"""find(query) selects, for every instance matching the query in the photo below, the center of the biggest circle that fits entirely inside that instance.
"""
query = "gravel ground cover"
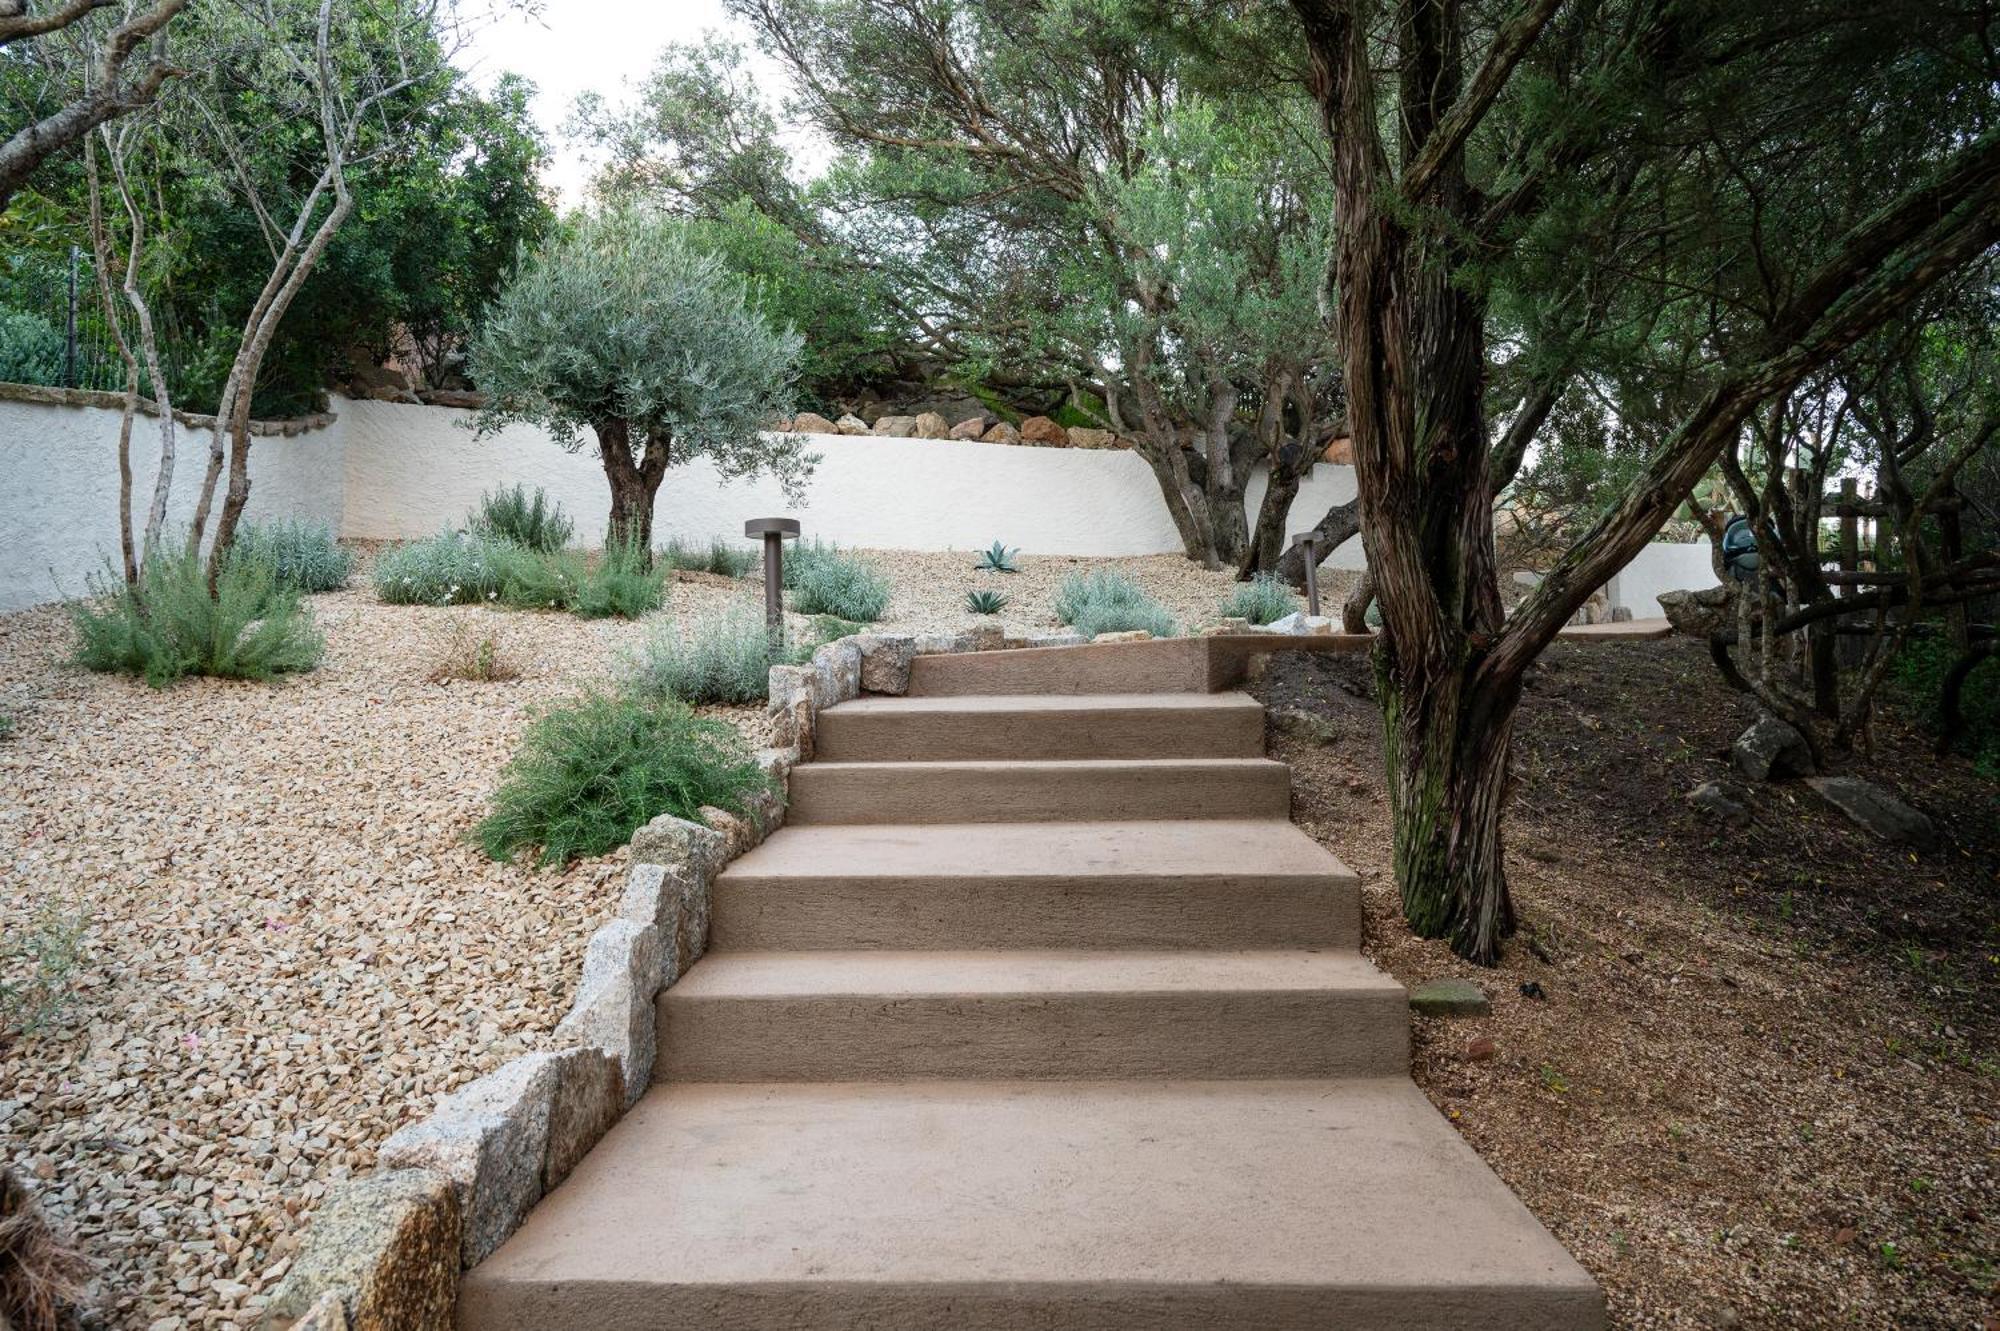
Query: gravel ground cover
(291, 948)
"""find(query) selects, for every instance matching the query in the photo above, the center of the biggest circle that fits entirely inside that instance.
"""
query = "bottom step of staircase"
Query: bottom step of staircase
(1084, 1206)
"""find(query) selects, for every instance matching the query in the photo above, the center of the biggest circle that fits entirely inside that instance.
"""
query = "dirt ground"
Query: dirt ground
(1763, 1088)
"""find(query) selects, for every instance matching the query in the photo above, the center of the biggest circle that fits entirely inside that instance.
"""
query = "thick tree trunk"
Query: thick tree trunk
(1340, 524)
(1267, 542)
(635, 483)
(1354, 610)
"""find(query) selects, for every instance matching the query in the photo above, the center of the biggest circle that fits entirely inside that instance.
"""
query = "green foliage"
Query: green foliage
(535, 521)
(997, 558)
(1104, 601)
(836, 584)
(592, 772)
(1261, 600)
(622, 319)
(31, 349)
(168, 625)
(38, 967)
(301, 555)
(450, 568)
(1918, 680)
(719, 556)
(7, 724)
(623, 581)
(984, 602)
(724, 657)
(801, 557)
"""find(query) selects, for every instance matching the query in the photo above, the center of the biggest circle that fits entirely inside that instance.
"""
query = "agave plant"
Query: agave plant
(983, 602)
(998, 558)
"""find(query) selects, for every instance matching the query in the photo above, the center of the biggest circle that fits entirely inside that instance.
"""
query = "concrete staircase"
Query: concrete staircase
(1038, 1014)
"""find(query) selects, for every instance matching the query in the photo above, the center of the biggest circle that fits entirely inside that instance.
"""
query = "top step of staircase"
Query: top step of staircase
(1165, 665)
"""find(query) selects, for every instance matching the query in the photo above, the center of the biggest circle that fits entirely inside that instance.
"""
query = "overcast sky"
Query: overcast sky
(581, 46)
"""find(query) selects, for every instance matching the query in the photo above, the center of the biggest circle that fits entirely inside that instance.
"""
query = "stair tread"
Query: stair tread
(973, 1186)
(1259, 847)
(1051, 972)
(979, 703)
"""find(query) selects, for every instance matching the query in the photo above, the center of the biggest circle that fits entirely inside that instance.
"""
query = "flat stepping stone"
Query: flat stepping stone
(1450, 998)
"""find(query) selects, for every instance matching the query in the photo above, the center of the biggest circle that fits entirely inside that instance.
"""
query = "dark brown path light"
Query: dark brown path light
(774, 531)
(1308, 543)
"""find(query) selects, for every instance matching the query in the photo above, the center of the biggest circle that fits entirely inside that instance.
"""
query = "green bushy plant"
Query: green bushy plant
(450, 568)
(1917, 679)
(525, 579)
(718, 556)
(997, 558)
(31, 349)
(1103, 601)
(836, 584)
(623, 581)
(1261, 600)
(169, 625)
(533, 521)
(803, 557)
(302, 555)
(722, 657)
(983, 602)
(595, 770)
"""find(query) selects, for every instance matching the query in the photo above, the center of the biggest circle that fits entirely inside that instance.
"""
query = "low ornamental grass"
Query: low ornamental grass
(301, 555)
(168, 625)
(1103, 601)
(718, 556)
(593, 771)
(825, 582)
(1262, 600)
(459, 568)
(721, 658)
(532, 521)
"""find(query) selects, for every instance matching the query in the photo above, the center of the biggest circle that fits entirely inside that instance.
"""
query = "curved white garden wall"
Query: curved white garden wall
(59, 498)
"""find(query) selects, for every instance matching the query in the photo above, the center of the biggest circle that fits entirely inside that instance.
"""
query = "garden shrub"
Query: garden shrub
(593, 771)
(837, 584)
(1260, 600)
(534, 522)
(301, 555)
(722, 657)
(718, 556)
(802, 557)
(31, 349)
(169, 625)
(450, 568)
(623, 581)
(525, 579)
(1103, 601)
(475, 652)
(1918, 681)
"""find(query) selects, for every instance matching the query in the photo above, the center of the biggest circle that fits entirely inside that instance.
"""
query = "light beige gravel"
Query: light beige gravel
(292, 947)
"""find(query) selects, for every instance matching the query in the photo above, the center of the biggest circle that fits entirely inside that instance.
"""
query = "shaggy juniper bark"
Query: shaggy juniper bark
(1411, 303)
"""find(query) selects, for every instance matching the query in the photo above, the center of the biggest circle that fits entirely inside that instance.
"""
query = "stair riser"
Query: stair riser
(1071, 1037)
(1059, 792)
(1177, 665)
(1109, 1306)
(805, 914)
(1233, 732)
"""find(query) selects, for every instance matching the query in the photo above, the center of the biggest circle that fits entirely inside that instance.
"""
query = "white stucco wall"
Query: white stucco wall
(59, 503)
(389, 471)
(1663, 566)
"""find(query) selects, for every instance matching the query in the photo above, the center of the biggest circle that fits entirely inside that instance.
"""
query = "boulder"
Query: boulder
(1300, 624)
(811, 422)
(895, 427)
(1712, 798)
(1703, 613)
(1043, 433)
(969, 428)
(851, 424)
(1340, 452)
(930, 425)
(885, 662)
(1771, 749)
(837, 666)
(1869, 806)
(385, 1249)
(613, 1010)
(489, 1138)
(1450, 998)
(675, 902)
(1001, 433)
(1082, 438)
(1527, 579)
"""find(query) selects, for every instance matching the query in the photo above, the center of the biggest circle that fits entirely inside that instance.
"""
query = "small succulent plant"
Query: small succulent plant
(983, 602)
(998, 558)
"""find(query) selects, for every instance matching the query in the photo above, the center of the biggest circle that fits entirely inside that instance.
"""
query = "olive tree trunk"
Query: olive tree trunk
(635, 477)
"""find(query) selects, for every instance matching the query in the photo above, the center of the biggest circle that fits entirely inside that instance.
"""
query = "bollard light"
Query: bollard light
(775, 532)
(1310, 543)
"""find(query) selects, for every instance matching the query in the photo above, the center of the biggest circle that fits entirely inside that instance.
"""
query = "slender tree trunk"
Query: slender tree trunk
(1354, 610)
(1341, 523)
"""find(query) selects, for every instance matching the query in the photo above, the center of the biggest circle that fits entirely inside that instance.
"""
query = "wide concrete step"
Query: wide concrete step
(1046, 1015)
(1044, 791)
(1111, 725)
(1032, 1207)
(1148, 884)
(1168, 665)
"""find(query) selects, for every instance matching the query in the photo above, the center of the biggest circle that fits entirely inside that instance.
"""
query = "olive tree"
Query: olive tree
(625, 328)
